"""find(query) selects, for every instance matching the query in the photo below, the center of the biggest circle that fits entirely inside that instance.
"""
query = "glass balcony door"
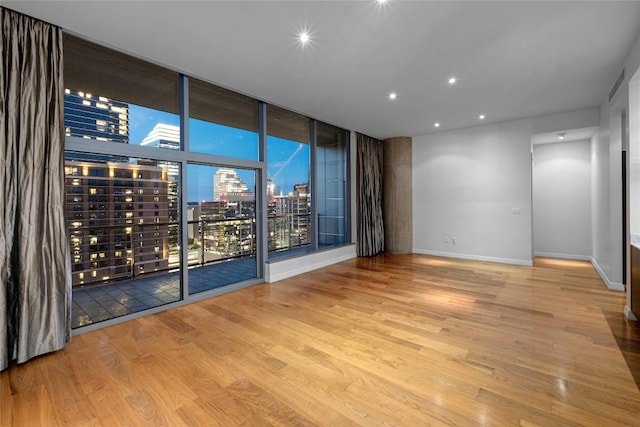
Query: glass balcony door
(221, 226)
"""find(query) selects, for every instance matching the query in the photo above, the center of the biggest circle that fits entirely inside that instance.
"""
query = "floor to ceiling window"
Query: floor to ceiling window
(221, 189)
(332, 195)
(221, 226)
(123, 209)
(176, 187)
(288, 183)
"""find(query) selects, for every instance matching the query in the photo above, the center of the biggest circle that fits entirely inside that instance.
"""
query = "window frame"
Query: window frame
(183, 156)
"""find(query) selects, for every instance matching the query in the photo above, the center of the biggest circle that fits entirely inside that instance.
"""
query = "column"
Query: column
(398, 207)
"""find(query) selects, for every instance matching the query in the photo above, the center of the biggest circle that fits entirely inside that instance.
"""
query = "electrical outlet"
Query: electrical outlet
(453, 241)
(516, 211)
(446, 239)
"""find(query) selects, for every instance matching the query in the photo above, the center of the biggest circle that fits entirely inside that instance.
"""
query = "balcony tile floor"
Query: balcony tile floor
(98, 303)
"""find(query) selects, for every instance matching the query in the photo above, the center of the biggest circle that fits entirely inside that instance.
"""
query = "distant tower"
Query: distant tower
(227, 185)
(164, 136)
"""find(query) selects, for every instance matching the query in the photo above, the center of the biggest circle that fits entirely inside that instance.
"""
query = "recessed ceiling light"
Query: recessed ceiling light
(481, 116)
(392, 95)
(436, 124)
(304, 37)
(561, 135)
(381, 1)
(452, 80)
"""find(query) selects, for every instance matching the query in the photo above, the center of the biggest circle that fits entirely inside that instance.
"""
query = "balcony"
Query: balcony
(220, 252)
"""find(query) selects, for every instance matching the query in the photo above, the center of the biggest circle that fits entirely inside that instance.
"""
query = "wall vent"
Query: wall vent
(617, 84)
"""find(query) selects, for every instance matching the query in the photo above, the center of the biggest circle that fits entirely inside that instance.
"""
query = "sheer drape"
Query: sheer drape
(35, 292)
(370, 239)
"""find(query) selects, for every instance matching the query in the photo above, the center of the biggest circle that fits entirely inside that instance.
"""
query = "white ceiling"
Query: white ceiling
(512, 59)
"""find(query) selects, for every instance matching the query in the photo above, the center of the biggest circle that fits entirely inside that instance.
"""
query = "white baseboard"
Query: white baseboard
(283, 269)
(629, 314)
(609, 284)
(563, 256)
(524, 262)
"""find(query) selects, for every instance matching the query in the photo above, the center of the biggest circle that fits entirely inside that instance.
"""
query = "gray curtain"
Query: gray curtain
(35, 299)
(370, 239)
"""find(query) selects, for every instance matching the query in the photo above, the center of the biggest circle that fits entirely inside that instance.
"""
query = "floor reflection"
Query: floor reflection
(627, 336)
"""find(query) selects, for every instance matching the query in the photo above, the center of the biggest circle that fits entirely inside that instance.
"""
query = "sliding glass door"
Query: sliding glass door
(221, 226)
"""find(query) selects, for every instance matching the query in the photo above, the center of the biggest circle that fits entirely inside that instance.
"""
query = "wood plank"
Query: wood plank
(391, 340)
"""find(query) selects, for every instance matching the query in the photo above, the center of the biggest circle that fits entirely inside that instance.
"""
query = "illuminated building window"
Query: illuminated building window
(101, 125)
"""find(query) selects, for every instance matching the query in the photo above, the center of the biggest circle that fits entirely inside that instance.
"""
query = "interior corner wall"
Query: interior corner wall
(633, 288)
(562, 200)
(472, 193)
(607, 180)
(600, 202)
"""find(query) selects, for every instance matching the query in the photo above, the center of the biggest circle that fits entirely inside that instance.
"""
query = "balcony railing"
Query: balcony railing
(109, 253)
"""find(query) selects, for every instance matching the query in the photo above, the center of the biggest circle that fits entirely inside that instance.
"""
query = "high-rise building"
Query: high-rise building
(227, 185)
(289, 219)
(228, 228)
(163, 136)
(92, 116)
(118, 213)
(118, 217)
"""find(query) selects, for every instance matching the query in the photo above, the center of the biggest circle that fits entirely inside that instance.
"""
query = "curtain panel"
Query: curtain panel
(35, 299)
(370, 239)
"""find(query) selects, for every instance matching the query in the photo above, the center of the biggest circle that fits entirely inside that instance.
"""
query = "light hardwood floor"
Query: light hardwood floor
(404, 340)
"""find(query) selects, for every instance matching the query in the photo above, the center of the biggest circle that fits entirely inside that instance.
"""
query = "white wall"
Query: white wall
(634, 179)
(466, 184)
(290, 267)
(600, 212)
(634, 158)
(607, 178)
(562, 200)
(564, 121)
